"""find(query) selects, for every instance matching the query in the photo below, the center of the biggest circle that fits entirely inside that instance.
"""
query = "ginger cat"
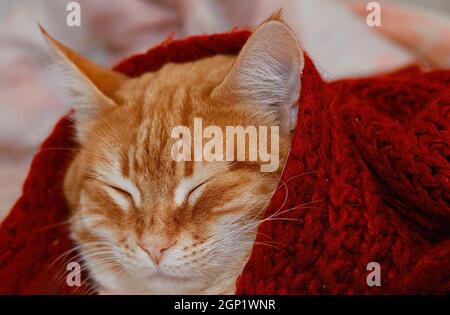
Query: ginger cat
(144, 223)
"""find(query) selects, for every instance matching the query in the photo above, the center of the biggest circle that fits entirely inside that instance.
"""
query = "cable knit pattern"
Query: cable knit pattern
(367, 180)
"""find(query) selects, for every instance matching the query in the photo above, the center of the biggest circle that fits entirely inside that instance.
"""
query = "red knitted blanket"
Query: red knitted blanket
(367, 180)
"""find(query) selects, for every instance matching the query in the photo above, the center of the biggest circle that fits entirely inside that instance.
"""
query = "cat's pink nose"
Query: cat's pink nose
(156, 247)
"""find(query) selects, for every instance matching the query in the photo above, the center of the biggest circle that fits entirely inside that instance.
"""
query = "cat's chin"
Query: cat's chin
(158, 275)
(159, 282)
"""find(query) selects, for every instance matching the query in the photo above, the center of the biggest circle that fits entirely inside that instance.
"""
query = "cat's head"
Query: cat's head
(149, 223)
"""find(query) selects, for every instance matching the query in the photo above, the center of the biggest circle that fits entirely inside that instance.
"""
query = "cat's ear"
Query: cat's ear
(267, 71)
(91, 88)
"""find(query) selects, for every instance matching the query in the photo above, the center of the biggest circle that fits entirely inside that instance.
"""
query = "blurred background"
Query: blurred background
(334, 32)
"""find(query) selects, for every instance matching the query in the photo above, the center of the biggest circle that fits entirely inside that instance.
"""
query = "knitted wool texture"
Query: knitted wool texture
(367, 180)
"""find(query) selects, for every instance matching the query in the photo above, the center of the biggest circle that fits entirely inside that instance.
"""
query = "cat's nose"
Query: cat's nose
(156, 247)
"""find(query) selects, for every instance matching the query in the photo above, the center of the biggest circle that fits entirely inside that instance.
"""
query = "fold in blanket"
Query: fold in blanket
(367, 180)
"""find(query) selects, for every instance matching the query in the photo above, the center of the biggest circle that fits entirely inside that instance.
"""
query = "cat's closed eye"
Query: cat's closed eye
(120, 196)
(122, 192)
(195, 192)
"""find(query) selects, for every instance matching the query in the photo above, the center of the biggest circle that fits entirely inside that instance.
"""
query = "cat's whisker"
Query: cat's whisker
(268, 245)
(102, 263)
(83, 283)
(265, 235)
(75, 248)
(293, 208)
(284, 202)
(234, 232)
(272, 217)
(58, 224)
(270, 195)
(300, 206)
(85, 257)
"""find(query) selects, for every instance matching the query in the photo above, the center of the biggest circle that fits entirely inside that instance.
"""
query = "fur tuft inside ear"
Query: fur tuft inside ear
(83, 97)
(90, 89)
(267, 70)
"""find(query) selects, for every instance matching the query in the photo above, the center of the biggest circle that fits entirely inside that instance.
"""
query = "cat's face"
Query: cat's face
(146, 223)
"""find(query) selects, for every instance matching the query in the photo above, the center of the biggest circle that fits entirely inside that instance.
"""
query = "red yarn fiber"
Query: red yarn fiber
(367, 180)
